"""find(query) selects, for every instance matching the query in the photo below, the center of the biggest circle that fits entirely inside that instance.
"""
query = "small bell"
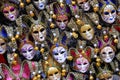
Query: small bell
(38, 76)
(36, 48)
(105, 37)
(73, 2)
(52, 25)
(63, 74)
(15, 55)
(13, 39)
(46, 62)
(79, 22)
(99, 27)
(21, 4)
(14, 62)
(96, 50)
(98, 59)
(32, 14)
(55, 39)
(28, 1)
(17, 36)
(91, 77)
(95, 9)
(54, 16)
(75, 35)
(63, 71)
(35, 78)
(70, 58)
(98, 64)
(115, 40)
(42, 50)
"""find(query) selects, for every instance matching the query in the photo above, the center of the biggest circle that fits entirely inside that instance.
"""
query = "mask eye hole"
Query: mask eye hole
(79, 64)
(35, 0)
(103, 53)
(30, 50)
(89, 29)
(85, 63)
(55, 53)
(5, 11)
(110, 52)
(113, 11)
(59, 21)
(62, 52)
(106, 13)
(42, 30)
(50, 74)
(2, 44)
(84, 32)
(12, 9)
(35, 32)
(65, 20)
(24, 51)
(56, 72)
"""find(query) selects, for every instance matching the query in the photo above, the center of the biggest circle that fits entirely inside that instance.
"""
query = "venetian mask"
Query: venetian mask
(60, 54)
(109, 14)
(107, 54)
(10, 12)
(84, 4)
(54, 74)
(2, 46)
(40, 4)
(27, 50)
(82, 64)
(87, 32)
(39, 33)
(62, 21)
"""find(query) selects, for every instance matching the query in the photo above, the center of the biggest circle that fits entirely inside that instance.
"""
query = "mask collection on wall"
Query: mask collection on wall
(60, 40)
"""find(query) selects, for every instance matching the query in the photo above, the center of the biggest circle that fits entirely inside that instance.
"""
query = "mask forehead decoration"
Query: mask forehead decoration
(38, 32)
(27, 49)
(108, 11)
(81, 59)
(40, 4)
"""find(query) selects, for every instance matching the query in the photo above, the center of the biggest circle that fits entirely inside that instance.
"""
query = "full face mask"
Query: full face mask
(84, 4)
(39, 33)
(10, 12)
(107, 54)
(54, 74)
(82, 64)
(62, 21)
(60, 54)
(27, 50)
(109, 14)
(40, 4)
(2, 46)
(87, 32)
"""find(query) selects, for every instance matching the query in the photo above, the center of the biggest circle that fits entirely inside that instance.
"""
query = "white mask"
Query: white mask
(40, 4)
(59, 54)
(109, 14)
(107, 54)
(27, 51)
(82, 64)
